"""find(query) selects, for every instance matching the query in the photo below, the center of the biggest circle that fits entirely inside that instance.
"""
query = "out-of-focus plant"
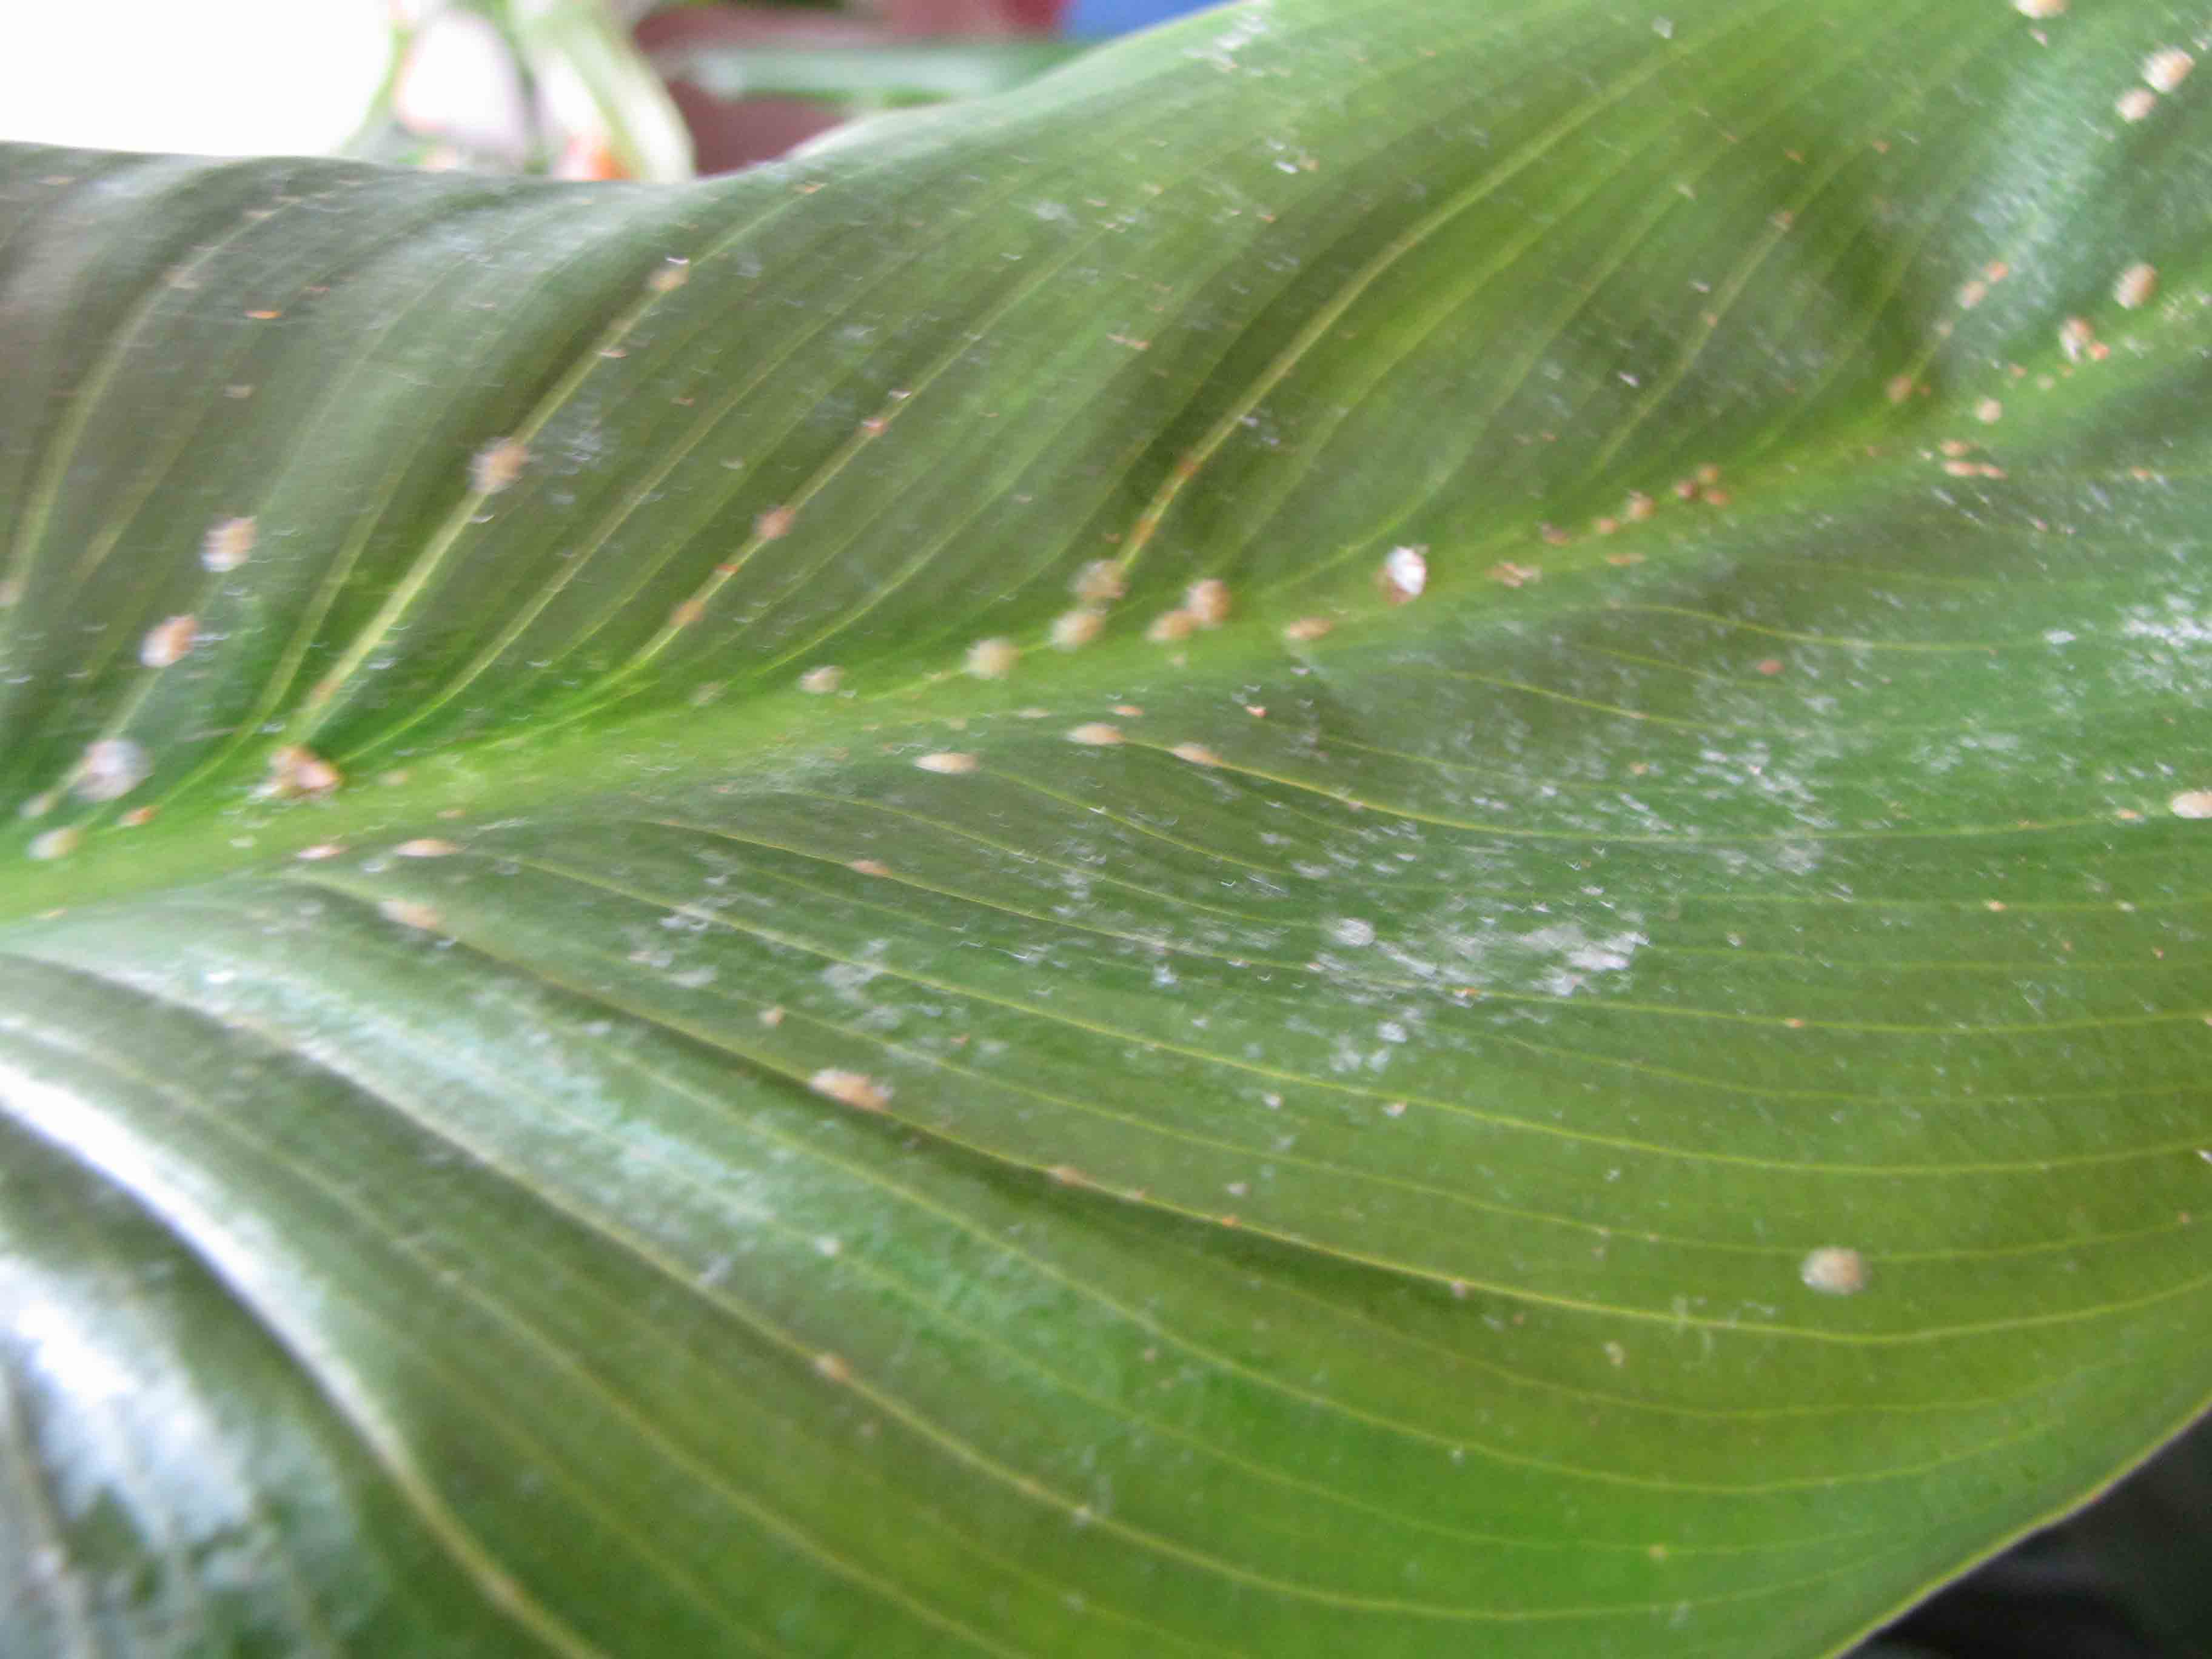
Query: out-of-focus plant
(535, 86)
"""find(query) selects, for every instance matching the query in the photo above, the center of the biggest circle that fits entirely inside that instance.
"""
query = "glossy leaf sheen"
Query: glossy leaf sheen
(1334, 1172)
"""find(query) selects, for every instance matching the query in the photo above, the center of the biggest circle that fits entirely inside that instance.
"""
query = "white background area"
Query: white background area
(218, 77)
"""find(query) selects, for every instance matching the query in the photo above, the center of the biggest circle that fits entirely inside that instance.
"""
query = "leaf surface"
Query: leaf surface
(1601, 1051)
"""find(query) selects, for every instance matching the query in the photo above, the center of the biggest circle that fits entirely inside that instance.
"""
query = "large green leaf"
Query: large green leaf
(1644, 1100)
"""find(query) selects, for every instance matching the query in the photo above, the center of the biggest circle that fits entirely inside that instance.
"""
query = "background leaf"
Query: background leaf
(1646, 1099)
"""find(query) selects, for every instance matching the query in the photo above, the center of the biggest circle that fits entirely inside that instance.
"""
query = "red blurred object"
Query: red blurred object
(731, 135)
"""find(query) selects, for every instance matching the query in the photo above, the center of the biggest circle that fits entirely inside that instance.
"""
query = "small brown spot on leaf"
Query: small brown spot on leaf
(1100, 582)
(1208, 602)
(296, 770)
(1170, 626)
(497, 466)
(110, 769)
(2166, 69)
(410, 912)
(227, 544)
(855, 1088)
(1073, 629)
(993, 659)
(167, 642)
(1834, 1272)
(1404, 574)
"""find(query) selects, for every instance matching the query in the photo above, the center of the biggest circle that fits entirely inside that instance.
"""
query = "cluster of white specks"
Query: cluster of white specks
(1405, 573)
(2191, 804)
(993, 659)
(830, 1367)
(1352, 931)
(321, 850)
(497, 466)
(855, 1088)
(57, 843)
(1834, 1272)
(822, 681)
(2136, 104)
(1196, 753)
(110, 769)
(1308, 627)
(2039, 8)
(1073, 629)
(426, 847)
(869, 867)
(227, 544)
(166, 642)
(672, 276)
(411, 912)
(951, 763)
(1098, 733)
(2134, 286)
(296, 770)
(1988, 412)
(774, 523)
(2078, 339)
(2166, 70)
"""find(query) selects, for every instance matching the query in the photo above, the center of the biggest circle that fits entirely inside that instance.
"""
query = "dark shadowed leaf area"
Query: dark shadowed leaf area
(1384, 831)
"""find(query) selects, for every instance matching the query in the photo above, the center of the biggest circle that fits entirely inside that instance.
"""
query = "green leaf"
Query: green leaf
(642, 1165)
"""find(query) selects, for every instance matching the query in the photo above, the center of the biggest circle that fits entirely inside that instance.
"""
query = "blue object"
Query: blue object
(1093, 18)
